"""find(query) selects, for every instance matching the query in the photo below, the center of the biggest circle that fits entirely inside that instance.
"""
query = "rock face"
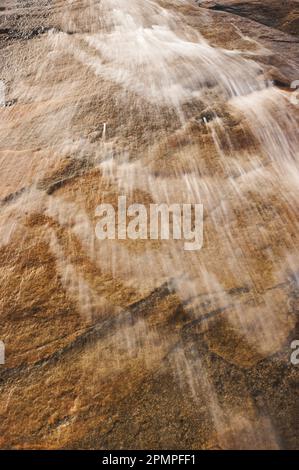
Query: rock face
(276, 14)
(137, 343)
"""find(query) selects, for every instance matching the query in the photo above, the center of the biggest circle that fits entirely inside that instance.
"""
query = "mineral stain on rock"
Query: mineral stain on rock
(119, 344)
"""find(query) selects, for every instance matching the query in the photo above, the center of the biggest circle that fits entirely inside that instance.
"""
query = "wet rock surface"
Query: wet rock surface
(276, 14)
(139, 344)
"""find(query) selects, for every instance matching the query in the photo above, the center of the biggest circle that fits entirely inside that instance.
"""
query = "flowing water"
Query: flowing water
(128, 97)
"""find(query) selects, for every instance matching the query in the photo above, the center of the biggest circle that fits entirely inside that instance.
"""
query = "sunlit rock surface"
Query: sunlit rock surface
(140, 344)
